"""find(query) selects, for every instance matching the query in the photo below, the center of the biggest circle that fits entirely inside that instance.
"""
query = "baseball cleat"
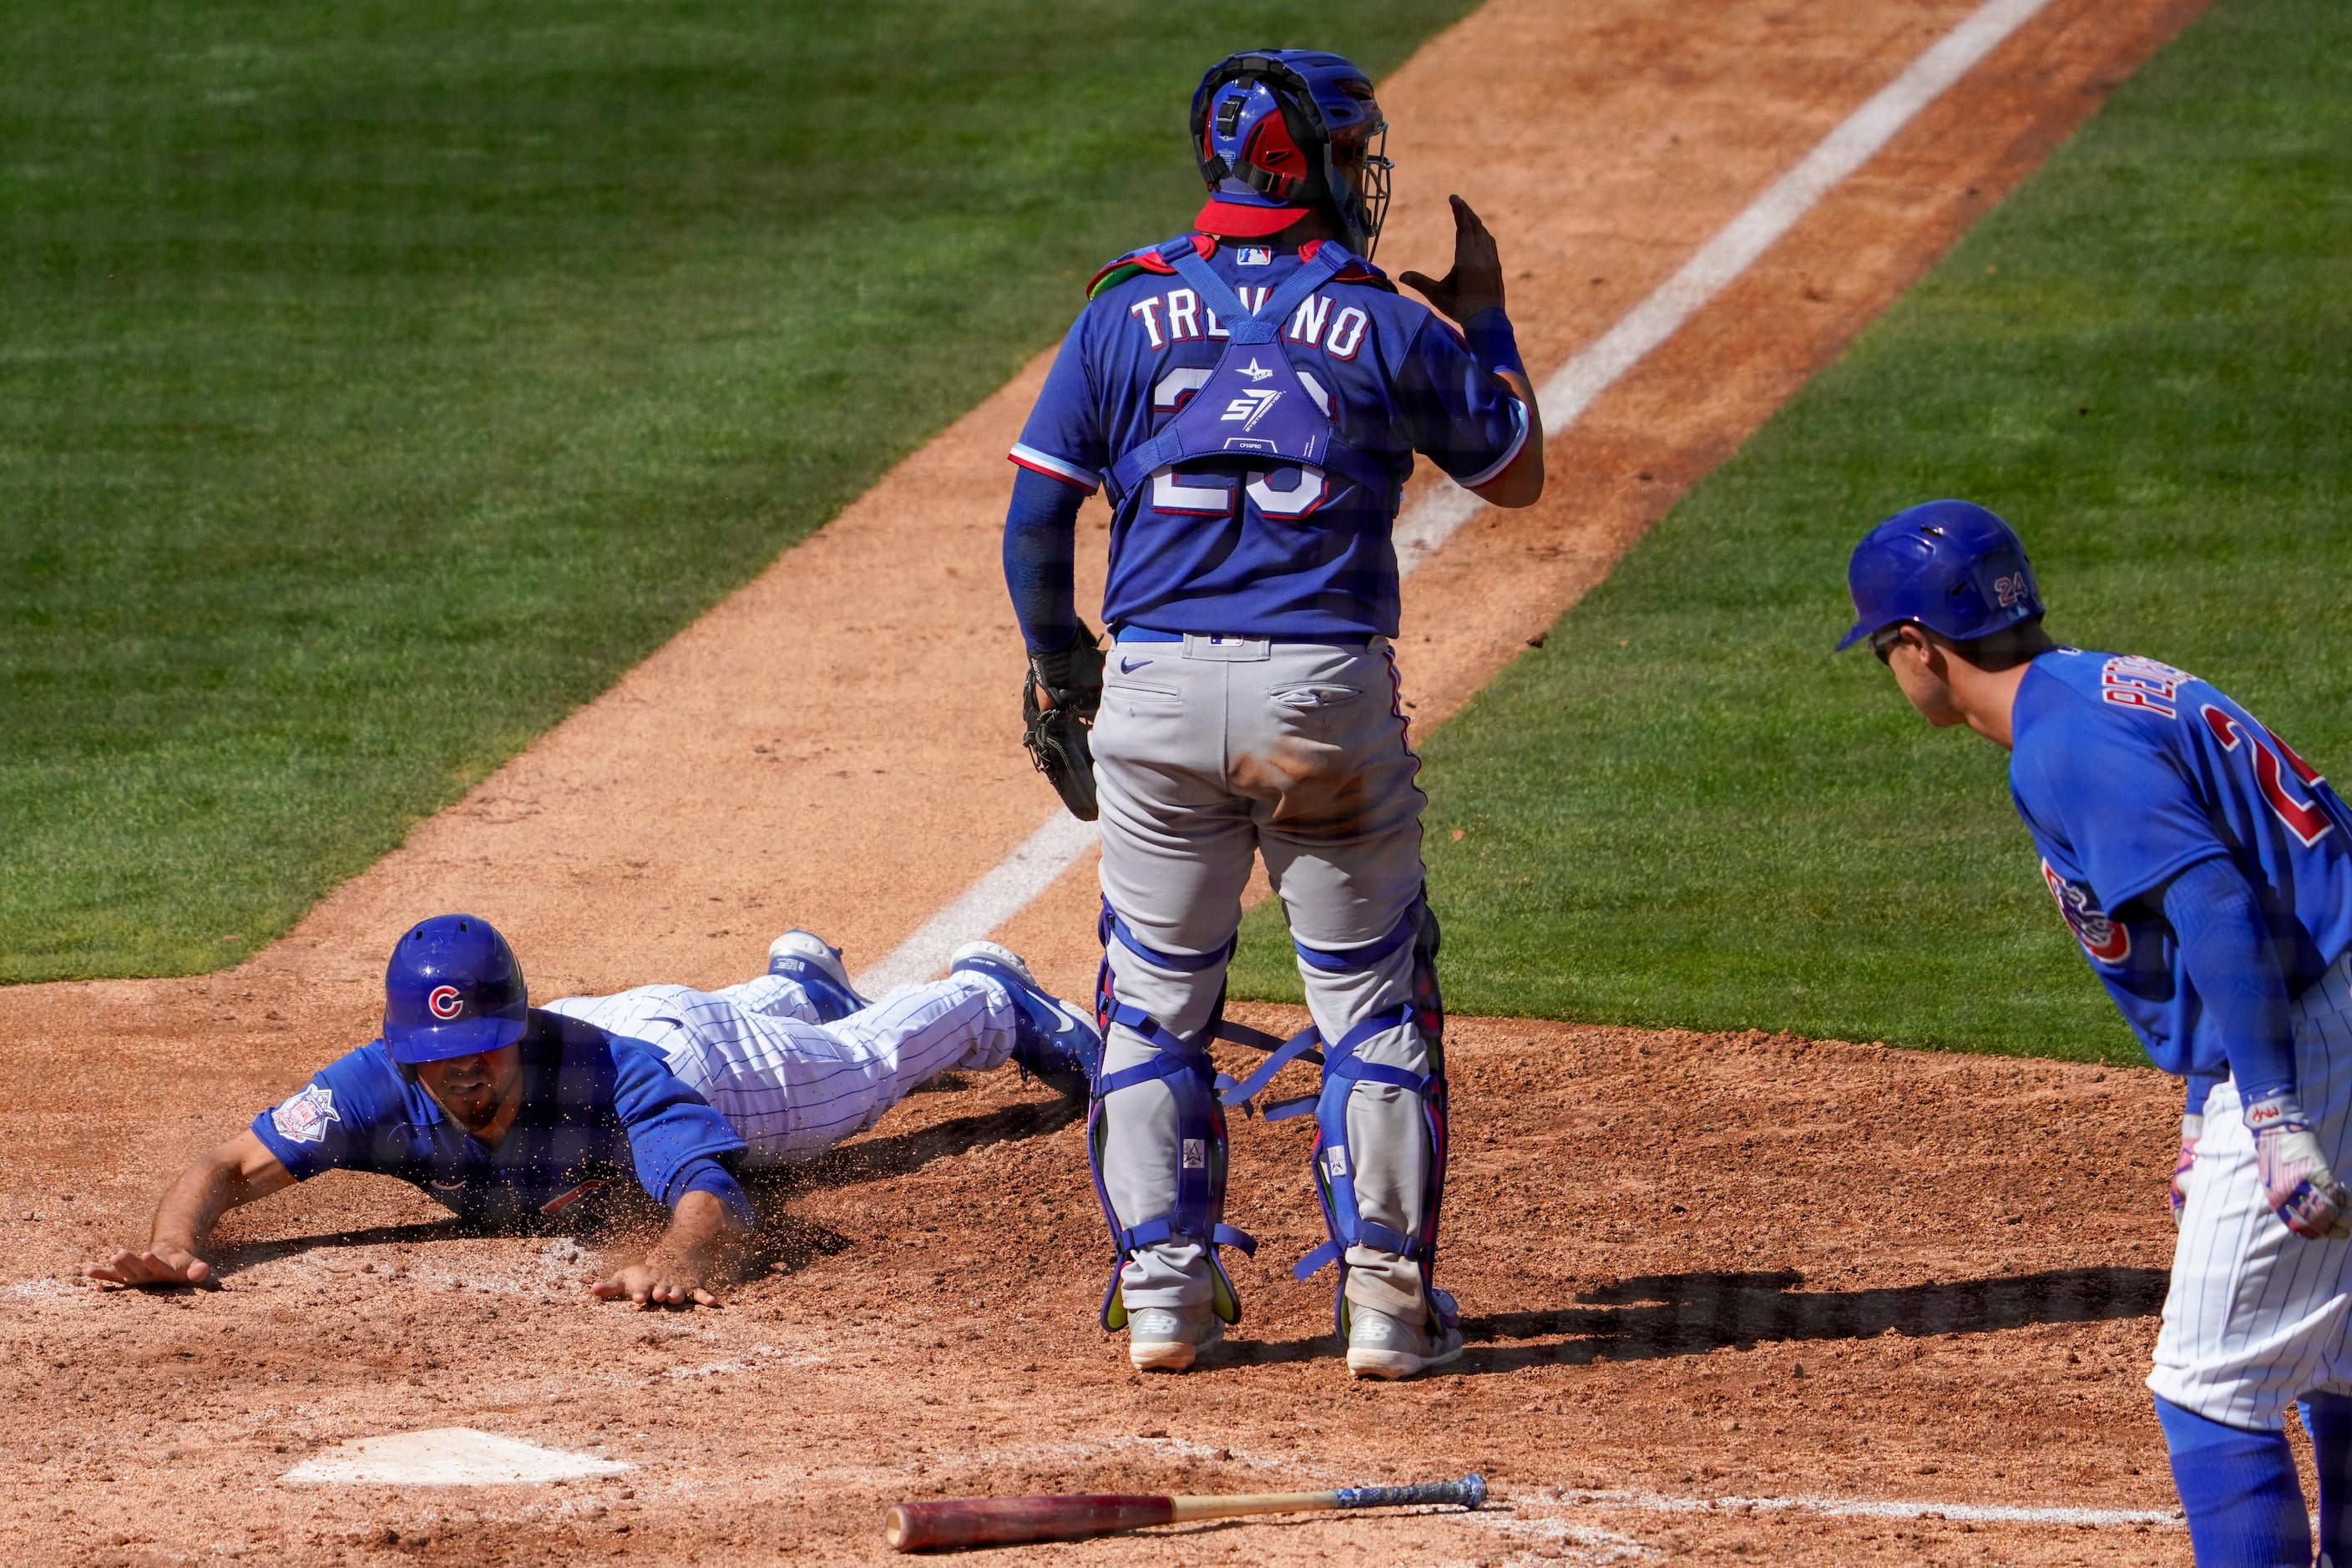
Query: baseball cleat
(1170, 1339)
(1382, 1346)
(806, 957)
(1052, 1039)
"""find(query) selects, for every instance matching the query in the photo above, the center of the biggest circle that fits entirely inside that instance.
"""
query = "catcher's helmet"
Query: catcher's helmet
(1280, 130)
(1951, 566)
(453, 988)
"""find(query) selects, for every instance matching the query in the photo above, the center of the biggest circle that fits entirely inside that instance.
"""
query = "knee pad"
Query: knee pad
(1184, 1066)
(1343, 1069)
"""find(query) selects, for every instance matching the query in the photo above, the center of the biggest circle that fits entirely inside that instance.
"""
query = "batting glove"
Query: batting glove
(2296, 1183)
(2192, 1128)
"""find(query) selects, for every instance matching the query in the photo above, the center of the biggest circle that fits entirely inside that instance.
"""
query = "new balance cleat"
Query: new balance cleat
(1382, 1346)
(806, 958)
(1052, 1039)
(1170, 1339)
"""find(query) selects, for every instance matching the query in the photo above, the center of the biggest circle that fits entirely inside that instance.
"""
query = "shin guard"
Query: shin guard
(1184, 1066)
(1343, 1069)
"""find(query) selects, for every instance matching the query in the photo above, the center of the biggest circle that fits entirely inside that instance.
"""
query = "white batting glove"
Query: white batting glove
(2296, 1183)
(2192, 1128)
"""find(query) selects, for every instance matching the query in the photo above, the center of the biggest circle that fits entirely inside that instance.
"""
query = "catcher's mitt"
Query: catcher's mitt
(1057, 735)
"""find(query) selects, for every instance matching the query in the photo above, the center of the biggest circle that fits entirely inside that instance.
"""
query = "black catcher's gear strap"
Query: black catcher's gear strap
(1072, 681)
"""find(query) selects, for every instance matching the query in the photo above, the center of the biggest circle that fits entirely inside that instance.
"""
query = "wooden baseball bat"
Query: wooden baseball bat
(957, 1522)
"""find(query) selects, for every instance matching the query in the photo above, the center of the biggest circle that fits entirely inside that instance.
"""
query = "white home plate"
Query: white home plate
(448, 1457)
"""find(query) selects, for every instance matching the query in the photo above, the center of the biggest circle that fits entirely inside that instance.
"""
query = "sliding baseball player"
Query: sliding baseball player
(516, 1116)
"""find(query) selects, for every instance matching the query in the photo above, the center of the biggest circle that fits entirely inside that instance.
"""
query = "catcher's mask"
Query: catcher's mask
(1279, 132)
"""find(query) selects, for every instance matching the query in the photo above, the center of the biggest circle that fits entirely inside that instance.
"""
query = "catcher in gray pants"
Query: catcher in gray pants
(1253, 394)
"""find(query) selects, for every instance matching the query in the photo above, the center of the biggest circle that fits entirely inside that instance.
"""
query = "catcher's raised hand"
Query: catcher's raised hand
(1475, 283)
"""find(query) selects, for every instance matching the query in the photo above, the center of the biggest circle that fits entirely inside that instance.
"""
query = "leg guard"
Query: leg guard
(1184, 1066)
(1343, 1069)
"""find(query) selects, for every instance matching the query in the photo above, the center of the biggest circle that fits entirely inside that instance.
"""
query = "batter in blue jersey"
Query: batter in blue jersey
(2205, 871)
(1251, 395)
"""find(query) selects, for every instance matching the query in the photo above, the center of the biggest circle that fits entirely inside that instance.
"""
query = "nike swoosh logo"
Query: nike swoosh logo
(1129, 666)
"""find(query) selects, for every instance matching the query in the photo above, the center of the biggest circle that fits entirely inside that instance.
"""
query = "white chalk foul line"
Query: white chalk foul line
(1876, 1508)
(1004, 891)
(988, 904)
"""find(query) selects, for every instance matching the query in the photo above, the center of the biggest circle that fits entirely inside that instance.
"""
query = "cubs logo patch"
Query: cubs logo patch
(564, 1200)
(1253, 256)
(304, 1118)
(444, 1001)
(2105, 938)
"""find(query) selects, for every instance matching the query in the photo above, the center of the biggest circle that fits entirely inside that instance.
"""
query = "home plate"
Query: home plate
(448, 1457)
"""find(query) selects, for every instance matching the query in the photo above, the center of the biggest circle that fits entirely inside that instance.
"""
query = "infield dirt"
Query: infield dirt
(1649, 1232)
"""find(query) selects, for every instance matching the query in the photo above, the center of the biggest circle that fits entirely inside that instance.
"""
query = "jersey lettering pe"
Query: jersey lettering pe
(1281, 550)
(2128, 772)
(596, 1109)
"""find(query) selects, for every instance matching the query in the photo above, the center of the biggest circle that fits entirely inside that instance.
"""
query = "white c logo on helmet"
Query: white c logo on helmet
(444, 1001)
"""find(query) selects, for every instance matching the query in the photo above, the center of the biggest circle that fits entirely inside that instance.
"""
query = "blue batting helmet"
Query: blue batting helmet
(453, 988)
(1951, 566)
(1280, 131)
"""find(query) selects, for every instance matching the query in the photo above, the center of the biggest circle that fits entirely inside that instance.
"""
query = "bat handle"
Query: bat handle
(1470, 1491)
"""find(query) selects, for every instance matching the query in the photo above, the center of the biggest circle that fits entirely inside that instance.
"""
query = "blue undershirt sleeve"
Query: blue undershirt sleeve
(704, 1174)
(1041, 542)
(2227, 949)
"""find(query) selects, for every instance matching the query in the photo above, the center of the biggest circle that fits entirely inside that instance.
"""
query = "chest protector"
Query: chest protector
(1254, 414)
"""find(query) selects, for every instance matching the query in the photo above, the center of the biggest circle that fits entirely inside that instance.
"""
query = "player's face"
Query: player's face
(472, 1089)
(1918, 670)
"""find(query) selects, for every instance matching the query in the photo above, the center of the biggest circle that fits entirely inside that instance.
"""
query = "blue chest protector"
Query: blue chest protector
(1255, 412)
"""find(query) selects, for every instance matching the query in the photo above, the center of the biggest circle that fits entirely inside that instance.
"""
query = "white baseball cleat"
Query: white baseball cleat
(807, 958)
(1170, 1339)
(1382, 1346)
(1053, 1040)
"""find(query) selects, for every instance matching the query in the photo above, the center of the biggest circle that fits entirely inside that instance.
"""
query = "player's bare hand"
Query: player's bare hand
(156, 1266)
(1475, 283)
(655, 1282)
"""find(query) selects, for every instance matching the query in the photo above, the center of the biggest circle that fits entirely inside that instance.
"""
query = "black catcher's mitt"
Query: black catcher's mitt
(1056, 736)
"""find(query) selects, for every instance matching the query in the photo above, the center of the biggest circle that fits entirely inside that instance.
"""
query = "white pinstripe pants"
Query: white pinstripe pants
(2257, 1316)
(792, 1087)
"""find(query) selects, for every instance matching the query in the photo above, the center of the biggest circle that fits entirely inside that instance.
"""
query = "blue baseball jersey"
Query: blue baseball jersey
(596, 1108)
(2128, 772)
(1287, 551)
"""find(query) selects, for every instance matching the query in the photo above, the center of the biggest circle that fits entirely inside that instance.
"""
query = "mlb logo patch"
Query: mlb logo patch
(304, 1118)
(1196, 1154)
(1253, 256)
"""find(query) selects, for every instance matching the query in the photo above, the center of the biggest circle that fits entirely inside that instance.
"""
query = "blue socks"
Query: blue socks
(2328, 1418)
(2240, 1490)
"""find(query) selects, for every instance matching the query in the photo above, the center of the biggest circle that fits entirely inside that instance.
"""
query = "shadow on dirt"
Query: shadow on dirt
(879, 1159)
(1691, 1314)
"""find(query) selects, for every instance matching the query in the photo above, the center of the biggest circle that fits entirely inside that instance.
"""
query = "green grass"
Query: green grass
(378, 381)
(1683, 810)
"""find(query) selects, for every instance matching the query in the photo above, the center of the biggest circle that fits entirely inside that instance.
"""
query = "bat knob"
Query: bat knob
(1474, 1491)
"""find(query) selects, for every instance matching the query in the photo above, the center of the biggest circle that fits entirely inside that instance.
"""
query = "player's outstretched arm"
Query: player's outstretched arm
(1472, 289)
(236, 1173)
(702, 1247)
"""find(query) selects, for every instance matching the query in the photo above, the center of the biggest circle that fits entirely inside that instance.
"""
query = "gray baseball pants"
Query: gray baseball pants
(1208, 752)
